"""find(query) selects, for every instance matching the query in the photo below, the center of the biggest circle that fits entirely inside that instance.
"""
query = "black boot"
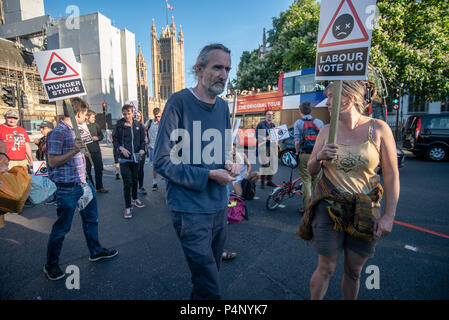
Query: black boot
(270, 182)
(262, 185)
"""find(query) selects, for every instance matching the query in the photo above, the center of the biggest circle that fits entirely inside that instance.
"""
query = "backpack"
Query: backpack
(309, 135)
(248, 189)
(236, 210)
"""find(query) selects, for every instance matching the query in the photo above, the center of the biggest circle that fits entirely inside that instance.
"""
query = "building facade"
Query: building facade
(142, 84)
(22, 31)
(107, 54)
(107, 57)
(17, 69)
(167, 56)
(410, 104)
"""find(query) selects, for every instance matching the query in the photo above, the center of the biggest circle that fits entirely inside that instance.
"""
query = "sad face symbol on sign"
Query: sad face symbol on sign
(343, 26)
(58, 68)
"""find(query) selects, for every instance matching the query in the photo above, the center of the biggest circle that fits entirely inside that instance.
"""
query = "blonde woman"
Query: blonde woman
(350, 187)
(245, 172)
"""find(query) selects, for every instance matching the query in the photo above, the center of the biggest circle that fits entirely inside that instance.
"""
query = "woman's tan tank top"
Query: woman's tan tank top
(354, 170)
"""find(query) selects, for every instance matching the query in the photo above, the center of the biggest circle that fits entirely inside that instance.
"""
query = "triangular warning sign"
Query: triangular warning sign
(134, 107)
(347, 28)
(281, 132)
(57, 68)
(42, 170)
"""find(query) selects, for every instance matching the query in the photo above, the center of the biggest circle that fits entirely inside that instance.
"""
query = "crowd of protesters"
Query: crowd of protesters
(197, 195)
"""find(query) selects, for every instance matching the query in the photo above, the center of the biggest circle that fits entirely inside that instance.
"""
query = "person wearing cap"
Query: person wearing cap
(46, 127)
(16, 140)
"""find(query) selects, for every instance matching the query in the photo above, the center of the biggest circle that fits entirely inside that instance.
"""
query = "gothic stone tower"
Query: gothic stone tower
(167, 55)
(142, 83)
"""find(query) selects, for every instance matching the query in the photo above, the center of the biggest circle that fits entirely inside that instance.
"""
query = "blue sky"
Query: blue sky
(236, 24)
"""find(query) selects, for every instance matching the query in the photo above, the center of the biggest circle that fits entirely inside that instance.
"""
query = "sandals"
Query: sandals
(228, 255)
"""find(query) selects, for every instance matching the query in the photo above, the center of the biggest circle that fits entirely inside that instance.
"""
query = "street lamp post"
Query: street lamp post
(105, 108)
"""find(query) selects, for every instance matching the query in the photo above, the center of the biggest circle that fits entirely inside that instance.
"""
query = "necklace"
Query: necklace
(356, 125)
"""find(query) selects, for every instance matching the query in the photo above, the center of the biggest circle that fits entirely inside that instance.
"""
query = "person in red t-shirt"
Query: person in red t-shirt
(16, 140)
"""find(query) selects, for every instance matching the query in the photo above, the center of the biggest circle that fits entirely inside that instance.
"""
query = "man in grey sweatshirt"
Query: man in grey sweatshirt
(192, 153)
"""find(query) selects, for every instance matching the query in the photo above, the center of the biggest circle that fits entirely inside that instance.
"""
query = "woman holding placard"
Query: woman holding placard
(344, 213)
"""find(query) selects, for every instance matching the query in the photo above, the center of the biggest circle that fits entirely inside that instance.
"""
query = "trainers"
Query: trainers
(137, 203)
(128, 213)
(142, 191)
(52, 202)
(271, 184)
(117, 176)
(154, 187)
(104, 254)
(28, 204)
(53, 272)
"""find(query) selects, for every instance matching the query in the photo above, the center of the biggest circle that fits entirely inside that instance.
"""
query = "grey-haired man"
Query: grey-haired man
(196, 188)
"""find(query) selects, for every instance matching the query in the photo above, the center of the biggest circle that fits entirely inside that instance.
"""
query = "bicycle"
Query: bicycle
(287, 190)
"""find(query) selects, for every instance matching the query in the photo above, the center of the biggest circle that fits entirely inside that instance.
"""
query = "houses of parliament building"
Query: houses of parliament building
(168, 72)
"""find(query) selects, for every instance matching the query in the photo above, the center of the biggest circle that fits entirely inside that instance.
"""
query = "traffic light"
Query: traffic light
(9, 96)
(396, 96)
(105, 106)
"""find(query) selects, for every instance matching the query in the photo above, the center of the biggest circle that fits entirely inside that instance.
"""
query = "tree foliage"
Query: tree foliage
(410, 44)
(292, 46)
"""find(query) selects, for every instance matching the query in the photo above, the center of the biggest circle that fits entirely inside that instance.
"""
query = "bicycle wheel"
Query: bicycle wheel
(275, 198)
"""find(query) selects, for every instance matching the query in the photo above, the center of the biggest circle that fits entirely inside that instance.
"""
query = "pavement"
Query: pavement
(272, 263)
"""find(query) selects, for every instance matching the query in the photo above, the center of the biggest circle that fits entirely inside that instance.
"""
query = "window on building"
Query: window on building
(445, 106)
(417, 105)
(160, 66)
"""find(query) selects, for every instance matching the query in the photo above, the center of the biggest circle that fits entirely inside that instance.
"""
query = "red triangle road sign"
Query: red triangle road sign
(349, 41)
(60, 69)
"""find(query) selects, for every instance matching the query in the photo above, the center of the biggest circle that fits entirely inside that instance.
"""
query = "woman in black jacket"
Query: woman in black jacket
(129, 142)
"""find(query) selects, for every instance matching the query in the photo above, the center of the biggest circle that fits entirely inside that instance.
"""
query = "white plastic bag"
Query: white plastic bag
(41, 189)
(86, 198)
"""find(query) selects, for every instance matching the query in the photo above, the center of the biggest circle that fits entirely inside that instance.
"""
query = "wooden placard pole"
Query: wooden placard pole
(234, 108)
(69, 109)
(335, 113)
